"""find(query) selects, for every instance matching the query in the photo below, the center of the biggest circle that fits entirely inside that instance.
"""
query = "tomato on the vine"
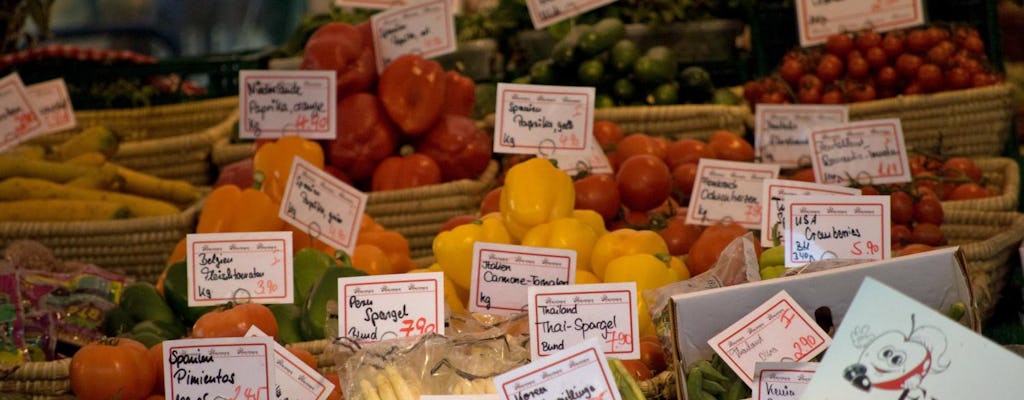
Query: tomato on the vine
(876, 57)
(901, 207)
(958, 167)
(636, 144)
(829, 68)
(928, 210)
(968, 191)
(839, 44)
(930, 77)
(868, 39)
(791, 71)
(918, 41)
(892, 43)
(644, 182)
(907, 65)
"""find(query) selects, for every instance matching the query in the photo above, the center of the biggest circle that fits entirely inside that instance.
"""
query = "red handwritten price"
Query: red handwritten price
(266, 286)
(25, 121)
(432, 42)
(417, 327)
(618, 338)
(250, 393)
(803, 345)
(313, 121)
(887, 168)
(753, 211)
(869, 248)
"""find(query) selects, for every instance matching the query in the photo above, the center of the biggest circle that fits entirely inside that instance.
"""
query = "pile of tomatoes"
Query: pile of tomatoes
(869, 65)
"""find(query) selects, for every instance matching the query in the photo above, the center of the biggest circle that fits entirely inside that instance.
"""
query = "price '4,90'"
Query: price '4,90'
(417, 327)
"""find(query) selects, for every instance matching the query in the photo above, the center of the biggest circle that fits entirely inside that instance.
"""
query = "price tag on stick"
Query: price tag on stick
(543, 120)
(867, 151)
(845, 227)
(294, 378)
(782, 380)
(578, 372)
(19, 120)
(728, 191)
(380, 307)
(426, 28)
(246, 266)
(279, 103)
(503, 273)
(227, 368)
(569, 315)
(323, 206)
(780, 131)
(53, 103)
(549, 12)
(816, 20)
(773, 221)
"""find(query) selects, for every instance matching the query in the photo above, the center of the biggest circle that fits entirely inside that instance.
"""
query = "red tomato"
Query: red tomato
(460, 148)
(413, 91)
(638, 370)
(398, 172)
(839, 44)
(969, 191)
(809, 95)
(829, 68)
(907, 64)
(958, 78)
(892, 43)
(709, 245)
(730, 146)
(644, 182)
(958, 167)
(366, 137)
(638, 143)
(929, 234)
(803, 175)
(915, 248)
(941, 53)
(867, 39)
(901, 235)
(876, 57)
(683, 178)
(928, 210)
(120, 368)
(858, 68)
(887, 76)
(687, 150)
(607, 133)
(680, 236)
(901, 206)
(752, 91)
(652, 354)
(491, 202)
(833, 96)
(861, 92)
(930, 77)
(346, 49)
(457, 220)
(792, 70)
(235, 321)
(918, 41)
(598, 192)
(460, 94)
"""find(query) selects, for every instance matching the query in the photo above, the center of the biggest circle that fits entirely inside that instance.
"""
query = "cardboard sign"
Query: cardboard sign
(19, 121)
(728, 190)
(294, 378)
(824, 227)
(868, 151)
(891, 346)
(593, 159)
(503, 273)
(543, 120)
(53, 103)
(816, 20)
(323, 206)
(276, 103)
(381, 307)
(578, 372)
(782, 380)
(780, 131)
(426, 28)
(778, 330)
(229, 368)
(549, 12)
(245, 266)
(565, 316)
(773, 219)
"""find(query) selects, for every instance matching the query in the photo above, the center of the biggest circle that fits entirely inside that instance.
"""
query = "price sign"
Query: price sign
(816, 20)
(253, 266)
(867, 151)
(543, 120)
(426, 28)
(778, 330)
(825, 227)
(782, 380)
(727, 190)
(780, 131)
(593, 160)
(294, 378)
(549, 12)
(381, 307)
(19, 121)
(460, 397)
(323, 206)
(773, 221)
(578, 372)
(278, 103)
(229, 368)
(53, 103)
(503, 273)
(566, 316)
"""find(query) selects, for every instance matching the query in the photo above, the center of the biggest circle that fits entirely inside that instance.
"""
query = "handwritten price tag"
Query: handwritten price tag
(728, 190)
(229, 368)
(825, 227)
(276, 103)
(19, 120)
(323, 206)
(53, 103)
(461, 397)
(816, 20)
(773, 221)
(593, 159)
(782, 380)
(295, 379)
(503, 273)
(578, 372)
(868, 151)
(380, 307)
(543, 120)
(426, 28)
(566, 316)
(778, 330)
(549, 12)
(253, 266)
(780, 131)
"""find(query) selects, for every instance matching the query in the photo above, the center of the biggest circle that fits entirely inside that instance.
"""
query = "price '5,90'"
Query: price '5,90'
(417, 327)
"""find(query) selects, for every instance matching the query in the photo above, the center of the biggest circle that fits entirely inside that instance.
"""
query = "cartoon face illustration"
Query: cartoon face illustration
(896, 361)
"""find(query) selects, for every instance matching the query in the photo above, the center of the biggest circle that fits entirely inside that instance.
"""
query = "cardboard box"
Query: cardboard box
(936, 278)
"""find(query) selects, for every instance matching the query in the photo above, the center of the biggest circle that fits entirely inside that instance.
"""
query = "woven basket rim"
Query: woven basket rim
(902, 102)
(81, 228)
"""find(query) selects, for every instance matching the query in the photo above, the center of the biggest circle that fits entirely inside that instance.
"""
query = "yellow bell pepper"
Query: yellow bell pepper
(564, 233)
(677, 264)
(622, 242)
(273, 162)
(454, 249)
(535, 192)
(647, 270)
(594, 220)
(451, 296)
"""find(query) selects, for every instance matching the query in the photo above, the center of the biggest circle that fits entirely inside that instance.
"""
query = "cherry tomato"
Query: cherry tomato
(876, 57)
(861, 92)
(983, 79)
(752, 91)
(683, 178)
(680, 236)
(902, 207)
(598, 192)
(941, 53)
(968, 191)
(927, 233)
(810, 81)
(607, 133)
(839, 44)
(644, 182)
(687, 150)
(833, 96)
(907, 64)
(858, 68)
(928, 210)
(930, 77)
(958, 78)
(412, 90)
(936, 34)
(792, 70)
(918, 41)
(730, 146)
(901, 235)
(887, 76)
(975, 45)
(957, 167)
(892, 43)
(809, 95)
(829, 68)
(867, 39)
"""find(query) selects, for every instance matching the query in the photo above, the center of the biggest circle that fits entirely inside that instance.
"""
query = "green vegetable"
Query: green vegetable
(623, 54)
(590, 72)
(141, 302)
(542, 72)
(309, 263)
(624, 381)
(287, 317)
(694, 384)
(176, 293)
(623, 89)
(665, 94)
(695, 84)
(315, 310)
(772, 256)
(604, 34)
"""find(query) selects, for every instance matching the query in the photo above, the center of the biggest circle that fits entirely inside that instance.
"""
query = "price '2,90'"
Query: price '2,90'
(803, 346)
(417, 327)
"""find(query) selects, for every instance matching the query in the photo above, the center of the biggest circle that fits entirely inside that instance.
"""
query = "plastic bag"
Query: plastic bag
(12, 340)
(78, 301)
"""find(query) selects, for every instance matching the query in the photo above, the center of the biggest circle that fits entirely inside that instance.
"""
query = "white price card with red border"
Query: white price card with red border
(243, 266)
(781, 380)
(19, 120)
(817, 19)
(503, 273)
(775, 190)
(780, 130)
(844, 227)
(295, 379)
(227, 368)
(322, 206)
(728, 190)
(382, 307)
(276, 103)
(578, 372)
(593, 160)
(549, 12)
(543, 120)
(53, 103)
(425, 28)
(867, 151)
(561, 317)
(778, 330)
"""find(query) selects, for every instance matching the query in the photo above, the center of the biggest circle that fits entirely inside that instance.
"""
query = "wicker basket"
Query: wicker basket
(38, 380)
(224, 152)
(677, 121)
(969, 122)
(135, 247)
(1002, 177)
(989, 240)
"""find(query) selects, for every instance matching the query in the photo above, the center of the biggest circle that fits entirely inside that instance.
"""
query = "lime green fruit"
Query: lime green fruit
(623, 54)
(772, 256)
(590, 72)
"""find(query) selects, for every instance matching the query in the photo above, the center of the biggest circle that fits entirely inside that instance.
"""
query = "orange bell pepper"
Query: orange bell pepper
(393, 244)
(231, 209)
(273, 162)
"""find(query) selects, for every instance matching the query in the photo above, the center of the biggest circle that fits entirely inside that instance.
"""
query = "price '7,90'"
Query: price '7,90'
(417, 327)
